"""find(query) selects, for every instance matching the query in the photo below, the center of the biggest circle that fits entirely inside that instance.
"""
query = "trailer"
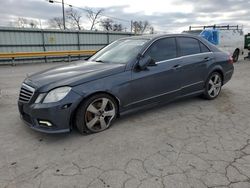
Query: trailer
(227, 38)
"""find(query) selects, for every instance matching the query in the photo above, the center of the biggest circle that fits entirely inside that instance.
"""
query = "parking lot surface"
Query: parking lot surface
(189, 143)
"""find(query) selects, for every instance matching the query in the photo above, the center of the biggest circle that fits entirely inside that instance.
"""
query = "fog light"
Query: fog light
(45, 123)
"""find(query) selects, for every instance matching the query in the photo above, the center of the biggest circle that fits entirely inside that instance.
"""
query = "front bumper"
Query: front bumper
(58, 114)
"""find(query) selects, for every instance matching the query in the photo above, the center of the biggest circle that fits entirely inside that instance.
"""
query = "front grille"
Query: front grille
(26, 93)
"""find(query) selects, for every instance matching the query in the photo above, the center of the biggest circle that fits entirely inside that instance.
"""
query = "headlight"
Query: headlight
(54, 95)
(40, 98)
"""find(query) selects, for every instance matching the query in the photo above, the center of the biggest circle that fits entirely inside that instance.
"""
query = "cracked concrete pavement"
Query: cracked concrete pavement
(188, 143)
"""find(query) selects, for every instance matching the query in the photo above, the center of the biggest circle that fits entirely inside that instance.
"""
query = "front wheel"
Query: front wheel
(213, 86)
(96, 114)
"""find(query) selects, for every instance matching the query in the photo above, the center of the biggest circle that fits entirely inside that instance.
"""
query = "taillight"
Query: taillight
(230, 60)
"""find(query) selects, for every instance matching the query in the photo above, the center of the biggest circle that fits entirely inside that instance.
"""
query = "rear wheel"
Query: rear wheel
(213, 86)
(236, 55)
(96, 114)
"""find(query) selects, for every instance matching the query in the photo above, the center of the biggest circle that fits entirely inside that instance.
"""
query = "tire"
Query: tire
(213, 86)
(96, 114)
(236, 55)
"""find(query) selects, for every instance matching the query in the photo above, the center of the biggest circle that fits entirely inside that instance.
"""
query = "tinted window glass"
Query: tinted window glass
(189, 46)
(204, 48)
(162, 49)
(120, 51)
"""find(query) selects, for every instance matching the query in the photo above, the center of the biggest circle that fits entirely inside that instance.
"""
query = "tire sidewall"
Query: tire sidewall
(236, 55)
(80, 115)
(207, 96)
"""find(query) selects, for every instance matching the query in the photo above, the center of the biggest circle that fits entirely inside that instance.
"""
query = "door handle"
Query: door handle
(207, 59)
(176, 66)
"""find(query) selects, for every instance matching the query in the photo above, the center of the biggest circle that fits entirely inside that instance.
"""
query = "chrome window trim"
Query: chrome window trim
(163, 61)
(176, 37)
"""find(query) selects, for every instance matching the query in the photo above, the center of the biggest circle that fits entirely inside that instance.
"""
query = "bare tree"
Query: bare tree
(74, 17)
(21, 22)
(25, 23)
(107, 24)
(140, 27)
(117, 27)
(151, 30)
(33, 23)
(56, 23)
(93, 16)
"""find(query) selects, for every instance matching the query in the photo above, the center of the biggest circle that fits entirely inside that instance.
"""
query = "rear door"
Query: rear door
(195, 58)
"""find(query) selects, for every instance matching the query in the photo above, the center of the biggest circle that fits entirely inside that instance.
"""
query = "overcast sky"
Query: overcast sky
(165, 16)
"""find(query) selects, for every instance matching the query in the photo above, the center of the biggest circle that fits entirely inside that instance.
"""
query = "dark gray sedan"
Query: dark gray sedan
(127, 75)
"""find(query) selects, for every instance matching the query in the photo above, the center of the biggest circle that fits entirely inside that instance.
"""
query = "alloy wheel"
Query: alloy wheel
(99, 114)
(214, 85)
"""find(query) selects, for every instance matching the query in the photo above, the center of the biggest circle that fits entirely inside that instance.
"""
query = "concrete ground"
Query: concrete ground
(188, 143)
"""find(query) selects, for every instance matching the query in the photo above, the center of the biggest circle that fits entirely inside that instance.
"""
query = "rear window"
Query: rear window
(188, 46)
(204, 48)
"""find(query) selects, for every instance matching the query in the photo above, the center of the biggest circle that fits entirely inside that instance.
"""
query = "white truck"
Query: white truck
(227, 38)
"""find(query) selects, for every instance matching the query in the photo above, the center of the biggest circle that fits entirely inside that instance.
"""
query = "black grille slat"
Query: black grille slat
(26, 93)
(24, 89)
(24, 98)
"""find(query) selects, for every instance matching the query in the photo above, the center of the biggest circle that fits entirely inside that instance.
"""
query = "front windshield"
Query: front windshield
(121, 51)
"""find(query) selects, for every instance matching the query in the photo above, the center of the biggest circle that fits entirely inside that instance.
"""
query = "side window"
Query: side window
(162, 49)
(204, 48)
(188, 46)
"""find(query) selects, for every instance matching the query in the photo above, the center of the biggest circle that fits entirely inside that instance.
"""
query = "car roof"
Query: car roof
(157, 36)
(153, 37)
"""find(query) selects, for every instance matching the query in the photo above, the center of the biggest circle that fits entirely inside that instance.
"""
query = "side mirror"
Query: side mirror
(146, 61)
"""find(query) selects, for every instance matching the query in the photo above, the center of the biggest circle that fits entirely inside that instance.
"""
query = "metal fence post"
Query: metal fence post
(44, 47)
(13, 61)
(78, 43)
(107, 38)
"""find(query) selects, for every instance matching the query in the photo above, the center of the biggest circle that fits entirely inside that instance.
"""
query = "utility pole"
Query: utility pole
(131, 29)
(52, 1)
(64, 27)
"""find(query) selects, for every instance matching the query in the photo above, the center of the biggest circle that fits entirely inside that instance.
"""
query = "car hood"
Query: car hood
(73, 74)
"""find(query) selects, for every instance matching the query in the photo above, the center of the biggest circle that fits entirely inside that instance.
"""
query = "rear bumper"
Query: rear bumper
(58, 114)
(228, 75)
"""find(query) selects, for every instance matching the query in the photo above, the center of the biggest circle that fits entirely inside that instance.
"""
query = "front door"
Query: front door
(160, 81)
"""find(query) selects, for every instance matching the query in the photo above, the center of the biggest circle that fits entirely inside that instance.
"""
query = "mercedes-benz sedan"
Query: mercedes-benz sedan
(127, 75)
